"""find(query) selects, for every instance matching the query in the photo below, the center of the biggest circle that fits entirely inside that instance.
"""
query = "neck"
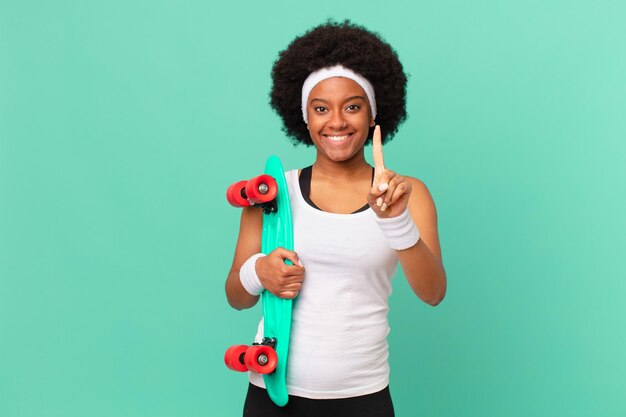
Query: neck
(348, 170)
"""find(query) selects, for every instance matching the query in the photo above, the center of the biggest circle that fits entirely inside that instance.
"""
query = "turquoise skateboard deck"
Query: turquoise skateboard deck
(277, 232)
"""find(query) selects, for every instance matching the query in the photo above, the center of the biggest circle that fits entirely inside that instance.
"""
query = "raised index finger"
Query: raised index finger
(377, 150)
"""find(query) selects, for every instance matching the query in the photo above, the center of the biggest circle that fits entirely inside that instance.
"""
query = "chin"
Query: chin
(341, 156)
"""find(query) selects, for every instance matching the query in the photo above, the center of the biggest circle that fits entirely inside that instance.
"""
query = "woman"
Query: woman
(338, 87)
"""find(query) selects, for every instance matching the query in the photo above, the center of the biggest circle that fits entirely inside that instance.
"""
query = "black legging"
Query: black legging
(259, 404)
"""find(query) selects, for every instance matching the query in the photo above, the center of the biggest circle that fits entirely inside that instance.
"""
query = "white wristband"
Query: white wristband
(247, 274)
(400, 231)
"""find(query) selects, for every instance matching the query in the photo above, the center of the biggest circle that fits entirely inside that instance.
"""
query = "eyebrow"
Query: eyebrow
(348, 99)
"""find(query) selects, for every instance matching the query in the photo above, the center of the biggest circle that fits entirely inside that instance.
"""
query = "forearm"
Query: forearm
(424, 272)
(237, 295)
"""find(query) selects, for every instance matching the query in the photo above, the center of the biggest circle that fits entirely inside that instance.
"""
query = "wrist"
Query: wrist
(248, 276)
(400, 231)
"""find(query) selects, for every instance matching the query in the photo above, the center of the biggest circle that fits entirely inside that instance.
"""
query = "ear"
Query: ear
(372, 122)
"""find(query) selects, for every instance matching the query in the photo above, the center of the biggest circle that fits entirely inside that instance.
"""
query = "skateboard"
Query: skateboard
(268, 192)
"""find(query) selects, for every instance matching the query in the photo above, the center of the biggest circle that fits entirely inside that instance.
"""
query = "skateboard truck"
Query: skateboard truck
(267, 341)
(269, 207)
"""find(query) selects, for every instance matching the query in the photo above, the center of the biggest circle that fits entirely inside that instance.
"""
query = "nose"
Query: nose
(337, 122)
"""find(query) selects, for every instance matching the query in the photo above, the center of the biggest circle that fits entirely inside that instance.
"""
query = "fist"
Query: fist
(279, 278)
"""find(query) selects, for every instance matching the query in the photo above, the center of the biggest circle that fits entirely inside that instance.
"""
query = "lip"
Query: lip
(338, 138)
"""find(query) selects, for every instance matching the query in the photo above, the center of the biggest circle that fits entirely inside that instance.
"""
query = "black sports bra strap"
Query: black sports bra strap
(305, 187)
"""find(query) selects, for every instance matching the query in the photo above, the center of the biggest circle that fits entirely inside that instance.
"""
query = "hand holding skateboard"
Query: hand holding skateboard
(279, 278)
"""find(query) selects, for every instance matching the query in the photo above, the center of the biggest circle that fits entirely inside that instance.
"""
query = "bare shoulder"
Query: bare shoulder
(420, 195)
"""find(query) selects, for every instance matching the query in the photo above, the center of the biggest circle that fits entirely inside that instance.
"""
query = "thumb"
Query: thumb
(289, 255)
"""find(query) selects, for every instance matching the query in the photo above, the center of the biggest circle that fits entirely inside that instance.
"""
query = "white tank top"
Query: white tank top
(339, 330)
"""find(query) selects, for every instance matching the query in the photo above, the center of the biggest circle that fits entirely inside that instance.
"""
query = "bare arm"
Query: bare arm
(280, 279)
(422, 263)
(248, 243)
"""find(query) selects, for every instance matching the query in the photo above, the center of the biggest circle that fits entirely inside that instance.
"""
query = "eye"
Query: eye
(353, 107)
(320, 109)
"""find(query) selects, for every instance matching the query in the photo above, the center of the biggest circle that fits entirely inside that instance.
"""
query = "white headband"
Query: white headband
(337, 71)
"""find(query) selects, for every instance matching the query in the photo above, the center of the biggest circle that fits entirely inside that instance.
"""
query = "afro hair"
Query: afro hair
(352, 46)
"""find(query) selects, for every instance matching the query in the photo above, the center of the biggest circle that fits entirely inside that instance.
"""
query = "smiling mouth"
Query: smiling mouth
(338, 138)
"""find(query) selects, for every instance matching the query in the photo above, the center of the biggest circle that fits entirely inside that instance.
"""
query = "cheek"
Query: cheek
(315, 123)
(360, 121)
(314, 130)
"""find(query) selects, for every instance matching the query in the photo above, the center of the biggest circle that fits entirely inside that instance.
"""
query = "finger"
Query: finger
(377, 154)
(289, 285)
(377, 150)
(383, 185)
(393, 184)
(402, 189)
(288, 295)
(290, 291)
(289, 255)
(397, 187)
(385, 182)
(293, 271)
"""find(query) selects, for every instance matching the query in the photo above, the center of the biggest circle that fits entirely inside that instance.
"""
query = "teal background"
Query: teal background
(123, 122)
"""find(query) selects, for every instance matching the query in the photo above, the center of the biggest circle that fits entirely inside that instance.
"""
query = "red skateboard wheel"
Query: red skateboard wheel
(261, 189)
(235, 194)
(234, 358)
(261, 359)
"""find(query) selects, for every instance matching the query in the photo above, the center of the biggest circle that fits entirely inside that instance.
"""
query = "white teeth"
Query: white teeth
(337, 138)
